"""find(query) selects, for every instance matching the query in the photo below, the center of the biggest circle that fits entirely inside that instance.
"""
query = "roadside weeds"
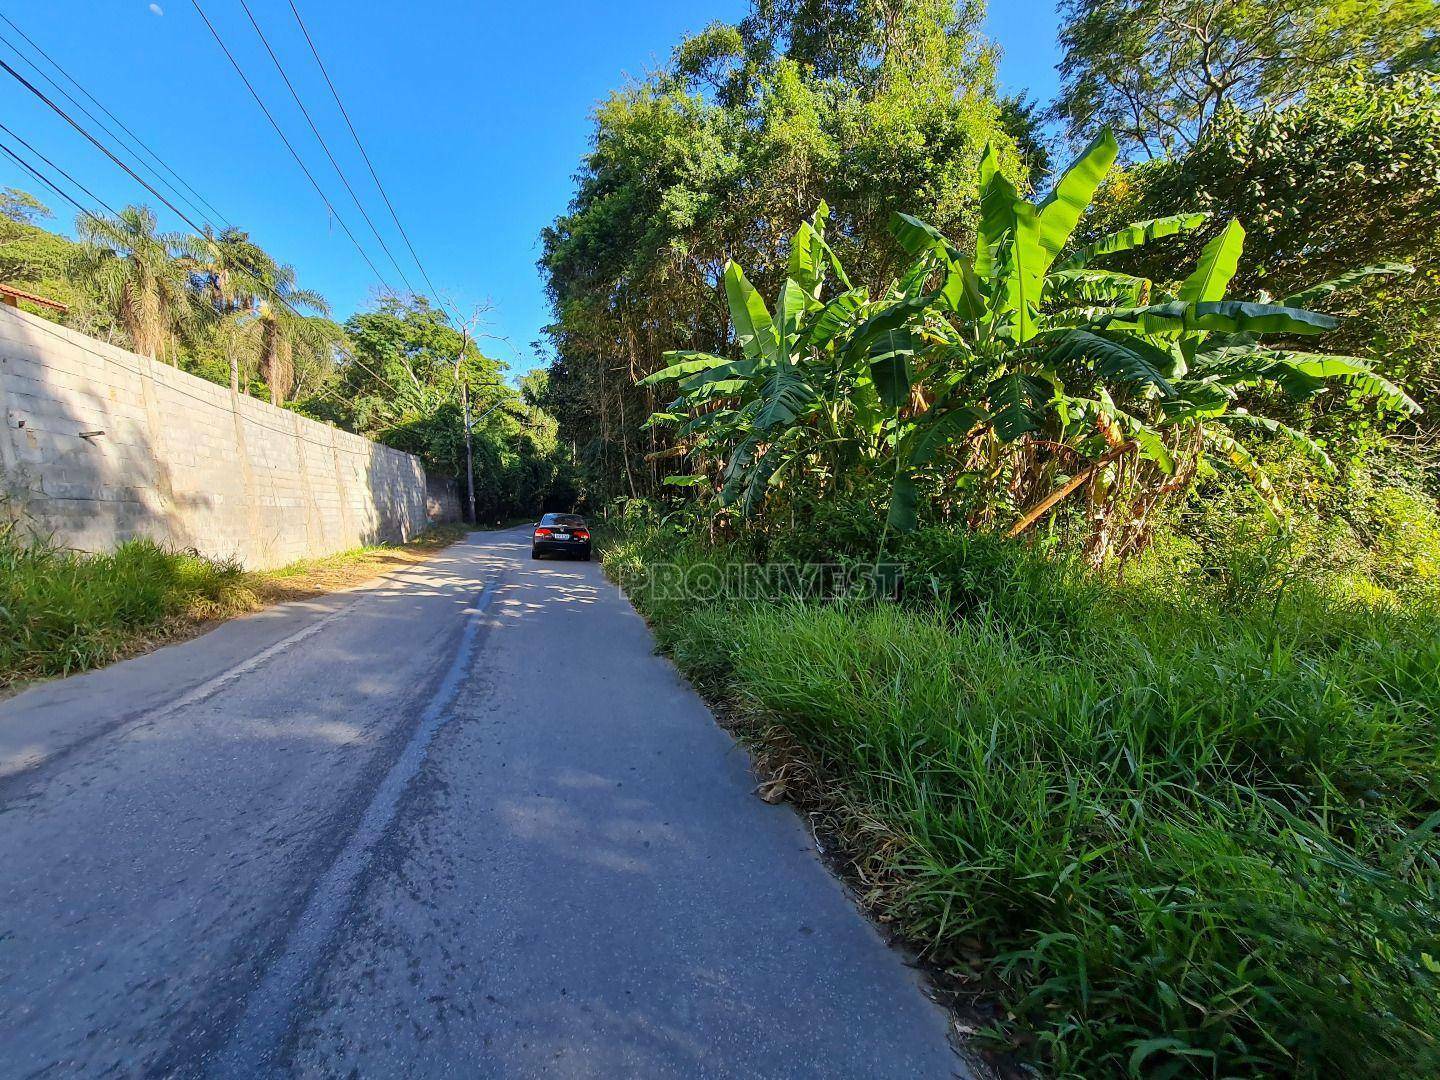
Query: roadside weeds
(1045, 791)
(345, 570)
(857, 848)
(63, 612)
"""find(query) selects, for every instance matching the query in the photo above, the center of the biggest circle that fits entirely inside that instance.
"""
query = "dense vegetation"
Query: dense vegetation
(1161, 73)
(873, 107)
(220, 307)
(1183, 823)
(1010, 368)
(1348, 176)
(64, 611)
(1134, 728)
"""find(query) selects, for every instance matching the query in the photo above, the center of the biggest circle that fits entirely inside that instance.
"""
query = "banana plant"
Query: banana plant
(781, 400)
(1024, 339)
(1019, 346)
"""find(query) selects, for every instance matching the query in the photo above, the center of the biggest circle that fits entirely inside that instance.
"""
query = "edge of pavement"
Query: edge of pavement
(50, 718)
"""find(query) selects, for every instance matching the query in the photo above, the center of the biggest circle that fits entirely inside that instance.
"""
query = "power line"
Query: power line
(58, 169)
(288, 145)
(368, 163)
(264, 285)
(260, 281)
(93, 118)
(99, 145)
(89, 213)
(325, 146)
(43, 179)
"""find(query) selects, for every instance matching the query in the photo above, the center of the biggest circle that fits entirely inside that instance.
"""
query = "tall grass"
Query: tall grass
(1183, 826)
(63, 611)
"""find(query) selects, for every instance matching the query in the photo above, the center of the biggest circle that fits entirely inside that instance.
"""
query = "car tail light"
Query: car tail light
(581, 534)
(544, 532)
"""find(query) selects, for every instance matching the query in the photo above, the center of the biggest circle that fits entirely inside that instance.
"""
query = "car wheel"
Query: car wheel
(534, 554)
(586, 556)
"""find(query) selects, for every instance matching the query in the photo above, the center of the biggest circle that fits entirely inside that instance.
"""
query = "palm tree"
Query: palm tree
(232, 271)
(229, 266)
(140, 281)
(284, 330)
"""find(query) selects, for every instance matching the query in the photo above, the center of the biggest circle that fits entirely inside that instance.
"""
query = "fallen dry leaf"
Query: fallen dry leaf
(772, 791)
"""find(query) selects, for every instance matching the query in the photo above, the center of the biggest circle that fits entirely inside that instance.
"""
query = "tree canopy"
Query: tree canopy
(1158, 71)
(1347, 176)
(871, 107)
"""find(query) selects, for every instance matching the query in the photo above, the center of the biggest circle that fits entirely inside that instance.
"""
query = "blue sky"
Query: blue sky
(475, 115)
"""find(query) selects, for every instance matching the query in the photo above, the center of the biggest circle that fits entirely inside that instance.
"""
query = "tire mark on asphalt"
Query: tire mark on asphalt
(254, 1046)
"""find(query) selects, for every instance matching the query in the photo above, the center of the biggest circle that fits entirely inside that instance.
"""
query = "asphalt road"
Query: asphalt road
(462, 822)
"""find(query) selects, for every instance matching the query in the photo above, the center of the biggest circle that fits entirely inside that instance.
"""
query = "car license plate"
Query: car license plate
(561, 536)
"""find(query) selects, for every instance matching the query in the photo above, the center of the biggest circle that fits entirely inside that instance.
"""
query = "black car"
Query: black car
(561, 534)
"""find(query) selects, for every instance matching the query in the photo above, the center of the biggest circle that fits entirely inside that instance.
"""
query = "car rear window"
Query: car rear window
(562, 519)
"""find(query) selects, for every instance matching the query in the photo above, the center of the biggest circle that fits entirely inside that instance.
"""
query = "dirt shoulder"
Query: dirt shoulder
(314, 577)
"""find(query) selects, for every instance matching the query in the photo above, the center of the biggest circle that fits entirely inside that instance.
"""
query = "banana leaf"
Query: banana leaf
(682, 362)
(1344, 282)
(1017, 404)
(889, 356)
(1132, 236)
(1349, 370)
(1234, 316)
(1059, 214)
(754, 329)
(1124, 357)
(1299, 439)
(1218, 263)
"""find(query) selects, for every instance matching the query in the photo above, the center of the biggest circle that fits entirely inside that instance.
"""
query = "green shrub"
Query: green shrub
(63, 611)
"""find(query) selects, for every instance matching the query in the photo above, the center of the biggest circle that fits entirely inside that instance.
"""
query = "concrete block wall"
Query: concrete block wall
(443, 498)
(184, 461)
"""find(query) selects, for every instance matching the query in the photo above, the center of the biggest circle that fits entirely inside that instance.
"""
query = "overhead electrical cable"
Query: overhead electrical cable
(45, 180)
(58, 169)
(264, 285)
(324, 145)
(101, 124)
(359, 145)
(100, 146)
(288, 145)
(216, 214)
(260, 281)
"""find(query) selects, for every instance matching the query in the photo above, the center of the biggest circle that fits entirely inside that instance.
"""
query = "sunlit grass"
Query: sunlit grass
(1180, 832)
(63, 611)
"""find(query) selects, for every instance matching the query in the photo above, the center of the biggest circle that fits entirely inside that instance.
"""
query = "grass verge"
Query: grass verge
(63, 612)
(1177, 828)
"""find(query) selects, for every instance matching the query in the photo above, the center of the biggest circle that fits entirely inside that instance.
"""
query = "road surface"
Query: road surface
(461, 822)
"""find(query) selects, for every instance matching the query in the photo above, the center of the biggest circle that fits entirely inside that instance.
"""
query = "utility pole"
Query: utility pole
(465, 412)
(465, 407)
